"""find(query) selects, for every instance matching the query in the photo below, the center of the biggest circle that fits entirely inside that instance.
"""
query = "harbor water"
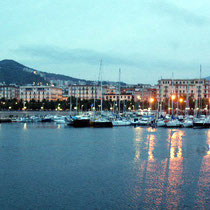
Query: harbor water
(50, 166)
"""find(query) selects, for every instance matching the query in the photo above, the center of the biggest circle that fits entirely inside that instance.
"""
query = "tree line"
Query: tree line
(87, 105)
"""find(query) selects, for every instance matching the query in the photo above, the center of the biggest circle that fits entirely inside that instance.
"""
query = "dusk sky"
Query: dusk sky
(147, 39)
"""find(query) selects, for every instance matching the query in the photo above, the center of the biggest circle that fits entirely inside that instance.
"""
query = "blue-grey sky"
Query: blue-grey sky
(147, 39)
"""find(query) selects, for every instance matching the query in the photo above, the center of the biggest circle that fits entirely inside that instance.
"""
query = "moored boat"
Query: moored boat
(101, 123)
(80, 121)
(161, 123)
(120, 122)
(188, 123)
(174, 124)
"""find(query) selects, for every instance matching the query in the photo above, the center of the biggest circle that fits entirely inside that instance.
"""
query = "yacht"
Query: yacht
(188, 123)
(101, 123)
(121, 122)
(174, 124)
(201, 122)
(80, 121)
(161, 123)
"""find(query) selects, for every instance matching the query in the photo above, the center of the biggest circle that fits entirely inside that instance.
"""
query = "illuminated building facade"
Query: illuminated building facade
(86, 92)
(39, 93)
(9, 92)
(195, 88)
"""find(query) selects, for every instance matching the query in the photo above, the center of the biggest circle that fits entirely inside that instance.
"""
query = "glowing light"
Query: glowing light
(25, 126)
(173, 97)
(181, 100)
(152, 100)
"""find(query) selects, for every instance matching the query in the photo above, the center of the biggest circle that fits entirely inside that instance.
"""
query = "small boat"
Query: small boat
(47, 118)
(121, 122)
(5, 120)
(188, 123)
(201, 123)
(174, 124)
(101, 123)
(142, 121)
(135, 121)
(80, 121)
(161, 123)
(60, 120)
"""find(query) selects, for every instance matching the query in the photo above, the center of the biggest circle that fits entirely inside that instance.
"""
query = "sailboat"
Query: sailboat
(173, 123)
(120, 121)
(101, 122)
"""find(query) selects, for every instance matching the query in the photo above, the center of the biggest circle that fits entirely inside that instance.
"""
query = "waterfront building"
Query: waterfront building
(115, 97)
(9, 91)
(194, 88)
(145, 94)
(86, 92)
(39, 93)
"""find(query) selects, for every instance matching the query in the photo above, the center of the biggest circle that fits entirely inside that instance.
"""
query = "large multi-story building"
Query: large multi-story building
(115, 97)
(9, 91)
(145, 94)
(195, 88)
(86, 92)
(39, 93)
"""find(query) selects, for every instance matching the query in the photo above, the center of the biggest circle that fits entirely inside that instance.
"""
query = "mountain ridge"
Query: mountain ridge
(12, 72)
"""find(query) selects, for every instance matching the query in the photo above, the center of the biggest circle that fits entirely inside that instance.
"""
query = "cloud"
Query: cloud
(176, 13)
(57, 55)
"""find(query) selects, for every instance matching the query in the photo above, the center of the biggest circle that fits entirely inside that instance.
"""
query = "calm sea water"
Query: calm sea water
(49, 166)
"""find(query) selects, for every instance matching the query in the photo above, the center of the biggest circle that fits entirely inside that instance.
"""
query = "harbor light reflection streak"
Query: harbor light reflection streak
(161, 162)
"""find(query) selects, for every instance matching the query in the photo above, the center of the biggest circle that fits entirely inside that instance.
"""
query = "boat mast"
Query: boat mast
(160, 98)
(77, 95)
(195, 107)
(177, 107)
(94, 98)
(187, 97)
(199, 90)
(172, 85)
(119, 90)
(101, 87)
(70, 101)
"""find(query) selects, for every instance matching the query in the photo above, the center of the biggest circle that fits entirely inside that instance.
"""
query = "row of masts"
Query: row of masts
(118, 99)
(95, 92)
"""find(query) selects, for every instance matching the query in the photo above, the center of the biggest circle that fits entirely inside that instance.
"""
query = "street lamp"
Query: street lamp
(181, 100)
(152, 100)
(172, 98)
(138, 97)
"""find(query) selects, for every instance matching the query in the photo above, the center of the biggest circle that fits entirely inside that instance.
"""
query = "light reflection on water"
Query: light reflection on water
(167, 177)
(50, 165)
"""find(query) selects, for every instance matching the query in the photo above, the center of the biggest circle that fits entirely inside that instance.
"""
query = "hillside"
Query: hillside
(12, 72)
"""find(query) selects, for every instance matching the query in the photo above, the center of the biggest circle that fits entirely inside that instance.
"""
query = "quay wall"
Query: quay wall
(9, 114)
